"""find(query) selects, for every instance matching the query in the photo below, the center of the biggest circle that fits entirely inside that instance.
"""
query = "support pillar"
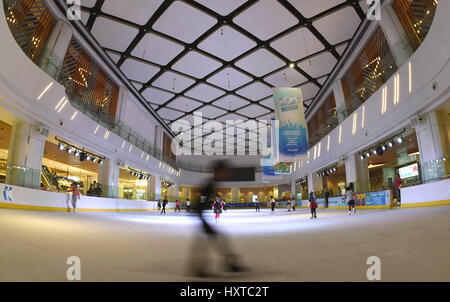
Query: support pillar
(26, 149)
(109, 178)
(357, 172)
(235, 194)
(293, 189)
(56, 48)
(310, 184)
(433, 140)
(339, 98)
(157, 186)
(177, 191)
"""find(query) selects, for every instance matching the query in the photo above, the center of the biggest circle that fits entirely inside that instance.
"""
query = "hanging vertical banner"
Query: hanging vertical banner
(292, 137)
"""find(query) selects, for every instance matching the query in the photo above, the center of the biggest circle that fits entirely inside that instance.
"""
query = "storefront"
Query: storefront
(133, 184)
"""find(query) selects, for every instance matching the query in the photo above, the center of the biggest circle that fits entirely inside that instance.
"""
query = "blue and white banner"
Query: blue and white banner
(6, 193)
(292, 136)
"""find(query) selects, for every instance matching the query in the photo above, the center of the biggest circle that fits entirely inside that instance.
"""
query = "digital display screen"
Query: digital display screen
(409, 171)
(234, 174)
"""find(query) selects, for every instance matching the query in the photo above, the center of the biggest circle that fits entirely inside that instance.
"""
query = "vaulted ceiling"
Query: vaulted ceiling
(223, 57)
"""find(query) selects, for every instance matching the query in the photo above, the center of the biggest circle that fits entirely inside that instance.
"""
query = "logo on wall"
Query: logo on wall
(7, 193)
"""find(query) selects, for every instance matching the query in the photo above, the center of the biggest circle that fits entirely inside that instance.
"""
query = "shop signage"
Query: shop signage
(7, 193)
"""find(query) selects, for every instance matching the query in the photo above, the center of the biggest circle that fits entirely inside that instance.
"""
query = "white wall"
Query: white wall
(36, 198)
(434, 191)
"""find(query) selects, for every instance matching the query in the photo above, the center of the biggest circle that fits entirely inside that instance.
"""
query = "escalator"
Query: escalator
(47, 179)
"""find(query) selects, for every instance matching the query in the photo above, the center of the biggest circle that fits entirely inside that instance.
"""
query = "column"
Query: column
(109, 178)
(56, 48)
(400, 46)
(433, 140)
(159, 142)
(293, 189)
(26, 149)
(177, 191)
(310, 185)
(357, 172)
(157, 186)
(235, 194)
(339, 98)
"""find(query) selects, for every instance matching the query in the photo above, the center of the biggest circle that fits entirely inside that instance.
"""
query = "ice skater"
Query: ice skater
(350, 196)
(313, 205)
(209, 238)
(217, 208)
(177, 206)
(398, 186)
(188, 205)
(289, 205)
(163, 205)
(75, 195)
(257, 205)
(224, 205)
(293, 204)
(272, 204)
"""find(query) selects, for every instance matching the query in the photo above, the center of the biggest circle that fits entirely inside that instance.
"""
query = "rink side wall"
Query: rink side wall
(14, 197)
(430, 194)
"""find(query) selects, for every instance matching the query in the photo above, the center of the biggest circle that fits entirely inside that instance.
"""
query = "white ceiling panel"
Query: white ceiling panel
(298, 44)
(253, 111)
(260, 62)
(113, 35)
(229, 79)
(184, 22)
(205, 93)
(88, 3)
(211, 111)
(322, 80)
(136, 11)
(169, 114)
(265, 19)
(84, 17)
(339, 26)
(154, 106)
(139, 71)
(157, 96)
(196, 64)
(226, 43)
(184, 104)
(231, 102)
(222, 7)
(156, 49)
(287, 77)
(173, 82)
(310, 8)
(231, 117)
(115, 57)
(137, 85)
(268, 103)
(267, 117)
(318, 65)
(309, 90)
(255, 91)
(340, 49)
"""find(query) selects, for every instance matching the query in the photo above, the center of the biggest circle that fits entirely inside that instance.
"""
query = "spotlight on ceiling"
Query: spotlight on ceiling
(60, 146)
(383, 147)
(368, 154)
(362, 155)
(391, 144)
(69, 150)
(83, 156)
(77, 153)
(380, 150)
(400, 139)
(100, 161)
(88, 157)
(292, 65)
(94, 159)
(374, 151)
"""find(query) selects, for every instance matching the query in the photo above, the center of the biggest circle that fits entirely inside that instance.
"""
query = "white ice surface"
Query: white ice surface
(413, 245)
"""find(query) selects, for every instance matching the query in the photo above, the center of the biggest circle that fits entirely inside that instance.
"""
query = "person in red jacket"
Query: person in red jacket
(313, 205)
(75, 195)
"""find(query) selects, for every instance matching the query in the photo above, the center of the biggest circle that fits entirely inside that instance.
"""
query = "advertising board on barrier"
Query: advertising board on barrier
(6, 193)
(378, 198)
(365, 199)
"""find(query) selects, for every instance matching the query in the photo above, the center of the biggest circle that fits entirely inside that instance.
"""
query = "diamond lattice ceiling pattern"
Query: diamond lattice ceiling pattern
(219, 57)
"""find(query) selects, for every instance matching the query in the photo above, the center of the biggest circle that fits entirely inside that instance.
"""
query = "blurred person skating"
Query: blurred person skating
(159, 204)
(293, 204)
(224, 205)
(272, 204)
(289, 204)
(177, 206)
(257, 205)
(313, 205)
(350, 198)
(209, 238)
(75, 195)
(188, 205)
(163, 205)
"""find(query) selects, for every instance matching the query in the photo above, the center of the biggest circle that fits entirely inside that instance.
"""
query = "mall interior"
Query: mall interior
(98, 94)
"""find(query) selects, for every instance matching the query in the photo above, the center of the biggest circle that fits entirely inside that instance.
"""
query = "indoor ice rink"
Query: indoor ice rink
(139, 138)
